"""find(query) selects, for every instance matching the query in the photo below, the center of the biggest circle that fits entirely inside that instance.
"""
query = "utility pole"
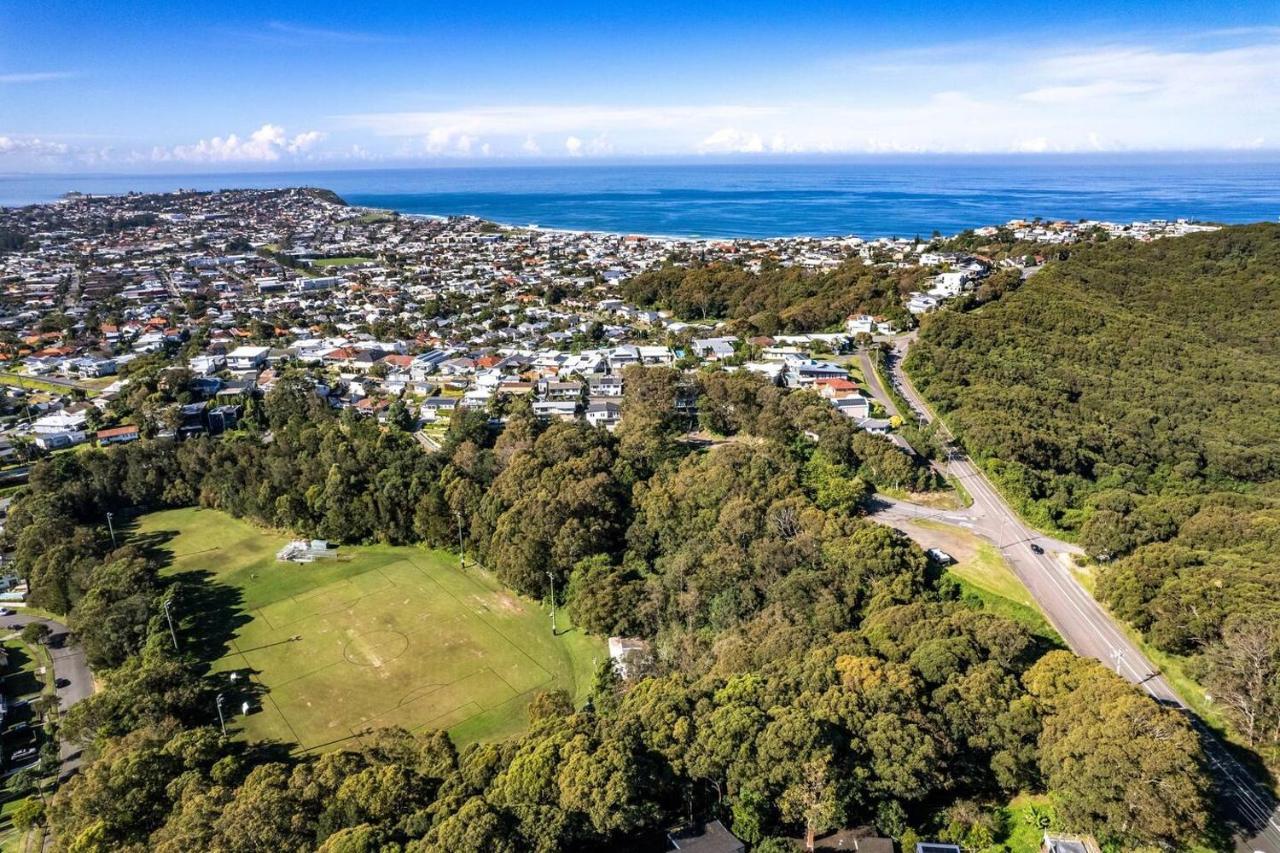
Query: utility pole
(462, 552)
(222, 721)
(112, 528)
(552, 579)
(172, 633)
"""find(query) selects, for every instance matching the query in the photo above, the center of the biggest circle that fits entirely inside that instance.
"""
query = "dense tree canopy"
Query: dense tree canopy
(775, 299)
(809, 667)
(1131, 394)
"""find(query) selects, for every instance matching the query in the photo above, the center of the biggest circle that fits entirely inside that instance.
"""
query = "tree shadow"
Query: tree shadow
(206, 614)
(1243, 802)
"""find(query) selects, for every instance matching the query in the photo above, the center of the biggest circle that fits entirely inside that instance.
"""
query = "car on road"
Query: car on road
(4, 611)
(1036, 549)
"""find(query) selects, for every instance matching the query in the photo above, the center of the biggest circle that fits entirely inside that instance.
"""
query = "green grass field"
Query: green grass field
(384, 636)
(352, 261)
(983, 572)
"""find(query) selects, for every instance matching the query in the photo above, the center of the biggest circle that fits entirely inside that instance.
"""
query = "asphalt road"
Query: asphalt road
(1084, 625)
(70, 669)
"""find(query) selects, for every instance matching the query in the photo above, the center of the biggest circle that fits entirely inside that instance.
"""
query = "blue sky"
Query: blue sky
(172, 87)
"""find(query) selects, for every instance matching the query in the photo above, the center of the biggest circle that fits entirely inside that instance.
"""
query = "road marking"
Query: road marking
(1252, 805)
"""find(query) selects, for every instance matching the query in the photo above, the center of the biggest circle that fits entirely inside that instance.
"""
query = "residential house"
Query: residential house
(604, 413)
(714, 349)
(562, 409)
(604, 386)
(117, 435)
(247, 358)
(710, 837)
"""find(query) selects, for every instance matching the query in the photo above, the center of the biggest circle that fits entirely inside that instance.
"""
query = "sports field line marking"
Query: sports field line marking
(480, 617)
(258, 614)
(346, 605)
(288, 724)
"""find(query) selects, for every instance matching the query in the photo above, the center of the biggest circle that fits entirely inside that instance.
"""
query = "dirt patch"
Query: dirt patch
(960, 544)
(506, 603)
(375, 648)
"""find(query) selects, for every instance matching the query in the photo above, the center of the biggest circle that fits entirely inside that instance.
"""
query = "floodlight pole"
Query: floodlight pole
(172, 633)
(462, 551)
(552, 579)
(222, 721)
(112, 528)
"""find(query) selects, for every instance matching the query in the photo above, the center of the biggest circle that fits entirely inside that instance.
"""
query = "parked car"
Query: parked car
(1036, 548)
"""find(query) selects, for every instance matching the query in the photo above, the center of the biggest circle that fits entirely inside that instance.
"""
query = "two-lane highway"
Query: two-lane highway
(1087, 628)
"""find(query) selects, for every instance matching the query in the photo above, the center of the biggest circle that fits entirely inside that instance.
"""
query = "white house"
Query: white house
(921, 303)
(604, 413)
(948, 284)
(247, 358)
(860, 324)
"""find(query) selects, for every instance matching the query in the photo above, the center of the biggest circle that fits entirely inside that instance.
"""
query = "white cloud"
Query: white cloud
(1085, 92)
(35, 76)
(531, 120)
(282, 32)
(1034, 145)
(731, 140)
(1199, 91)
(304, 141)
(267, 144)
(443, 141)
(1050, 98)
(18, 146)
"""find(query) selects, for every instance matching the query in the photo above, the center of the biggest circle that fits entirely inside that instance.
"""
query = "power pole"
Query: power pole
(172, 633)
(552, 579)
(222, 721)
(112, 528)
(462, 552)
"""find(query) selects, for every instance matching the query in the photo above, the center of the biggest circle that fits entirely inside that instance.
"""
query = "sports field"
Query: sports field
(383, 636)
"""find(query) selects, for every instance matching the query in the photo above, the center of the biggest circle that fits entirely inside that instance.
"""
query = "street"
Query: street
(1084, 624)
(71, 670)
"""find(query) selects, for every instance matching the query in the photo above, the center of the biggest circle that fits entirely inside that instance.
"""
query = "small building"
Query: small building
(59, 440)
(1069, 844)
(710, 837)
(306, 551)
(627, 653)
(860, 839)
(937, 847)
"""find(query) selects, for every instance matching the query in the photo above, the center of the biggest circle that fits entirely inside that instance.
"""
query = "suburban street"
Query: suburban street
(70, 668)
(1082, 622)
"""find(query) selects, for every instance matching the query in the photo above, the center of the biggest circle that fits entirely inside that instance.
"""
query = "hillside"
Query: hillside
(1131, 395)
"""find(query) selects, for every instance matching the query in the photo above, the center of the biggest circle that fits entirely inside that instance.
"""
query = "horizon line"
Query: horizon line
(1196, 155)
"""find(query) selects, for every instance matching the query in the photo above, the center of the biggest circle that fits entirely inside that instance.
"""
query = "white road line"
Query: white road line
(1251, 803)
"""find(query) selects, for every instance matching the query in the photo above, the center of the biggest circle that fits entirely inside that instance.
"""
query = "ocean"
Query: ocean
(768, 199)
